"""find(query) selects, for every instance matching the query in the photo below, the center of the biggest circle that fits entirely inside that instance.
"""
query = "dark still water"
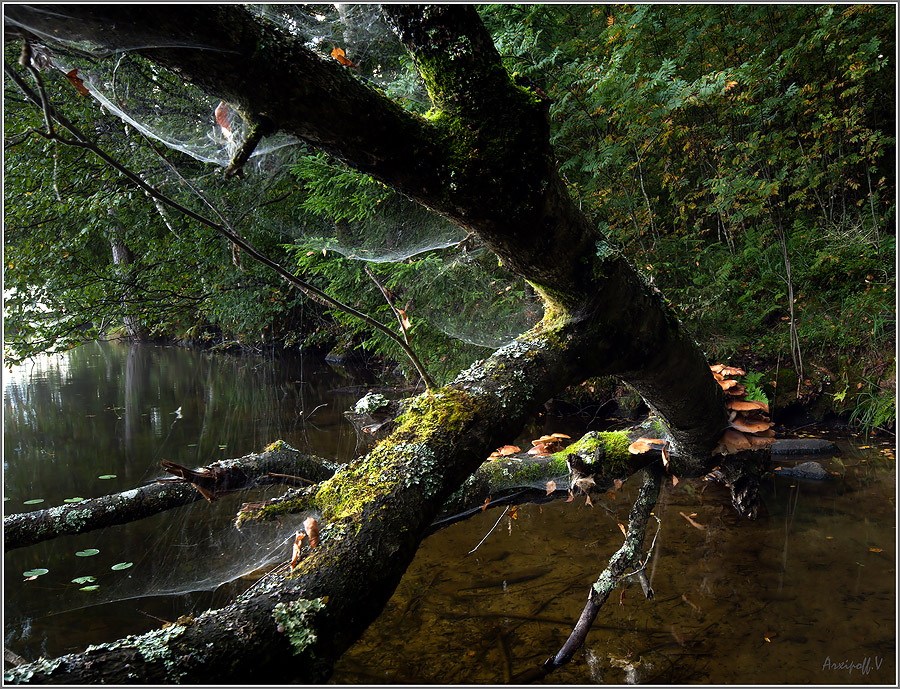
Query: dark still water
(805, 594)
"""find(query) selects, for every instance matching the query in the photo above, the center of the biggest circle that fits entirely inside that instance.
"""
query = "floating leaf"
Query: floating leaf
(35, 572)
(33, 501)
(84, 580)
(107, 476)
(73, 78)
(551, 486)
(122, 565)
(876, 550)
(487, 501)
(93, 587)
(623, 529)
(87, 553)
(514, 512)
(73, 499)
(617, 483)
(674, 481)
(587, 501)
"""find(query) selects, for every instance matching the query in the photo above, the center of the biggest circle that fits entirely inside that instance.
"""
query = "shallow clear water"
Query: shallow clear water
(783, 599)
(809, 584)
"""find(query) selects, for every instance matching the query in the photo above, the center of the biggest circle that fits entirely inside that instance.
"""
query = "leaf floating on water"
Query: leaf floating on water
(876, 550)
(692, 522)
(618, 483)
(107, 476)
(93, 587)
(84, 580)
(35, 572)
(487, 501)
(87, 553)
(571, 496)
(33, 501)
(674, 481)
(73, 499)
(623, 529)
(121, 565)
(551, 486)
(587, 501)
(514, 512)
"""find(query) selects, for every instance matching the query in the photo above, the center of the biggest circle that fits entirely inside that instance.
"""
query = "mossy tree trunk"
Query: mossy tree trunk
(481, 158)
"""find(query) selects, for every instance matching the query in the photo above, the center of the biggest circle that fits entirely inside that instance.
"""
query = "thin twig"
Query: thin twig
(489, 532)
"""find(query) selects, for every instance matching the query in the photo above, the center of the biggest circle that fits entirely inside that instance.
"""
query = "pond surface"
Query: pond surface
(805, 594)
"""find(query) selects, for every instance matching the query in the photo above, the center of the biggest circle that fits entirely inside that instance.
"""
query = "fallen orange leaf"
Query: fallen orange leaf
(514, 512)
(312, 530)
(487, 501)
(571, 496)
(551, 486)
(341, 57)
(72, 76)
(622, 529)
(617, 483)
(876, 550)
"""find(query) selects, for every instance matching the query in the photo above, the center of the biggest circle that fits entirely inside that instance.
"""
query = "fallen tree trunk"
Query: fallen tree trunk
(483, 160)
(251, 470)
(372, 513)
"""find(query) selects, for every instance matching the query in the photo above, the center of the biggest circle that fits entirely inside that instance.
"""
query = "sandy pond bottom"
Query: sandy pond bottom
(804, 594)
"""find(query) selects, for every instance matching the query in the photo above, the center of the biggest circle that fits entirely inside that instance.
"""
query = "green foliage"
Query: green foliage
(697, 136)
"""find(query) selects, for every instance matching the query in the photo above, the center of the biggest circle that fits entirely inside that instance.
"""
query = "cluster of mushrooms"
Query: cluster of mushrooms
(750, 428)
(749, 424)
(543, 446)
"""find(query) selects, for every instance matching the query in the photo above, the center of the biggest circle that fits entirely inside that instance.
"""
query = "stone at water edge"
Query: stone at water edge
(811, 471)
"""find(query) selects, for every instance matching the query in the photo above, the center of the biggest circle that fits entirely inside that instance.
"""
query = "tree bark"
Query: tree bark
(482, 159)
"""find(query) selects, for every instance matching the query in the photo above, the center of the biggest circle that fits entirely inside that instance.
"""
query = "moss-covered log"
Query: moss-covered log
(251, 470)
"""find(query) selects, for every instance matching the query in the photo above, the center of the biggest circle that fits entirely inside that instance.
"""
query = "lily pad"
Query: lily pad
(34, 501)
(122, 565)
(84, 580)
(35, 572)
(93, 587)
(87, 553)
(106, 476)
(73, 499)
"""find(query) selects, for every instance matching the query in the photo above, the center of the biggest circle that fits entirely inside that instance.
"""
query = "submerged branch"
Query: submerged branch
(629, 555)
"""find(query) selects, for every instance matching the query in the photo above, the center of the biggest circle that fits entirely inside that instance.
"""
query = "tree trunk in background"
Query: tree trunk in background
(483, 160)
(123, 260)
